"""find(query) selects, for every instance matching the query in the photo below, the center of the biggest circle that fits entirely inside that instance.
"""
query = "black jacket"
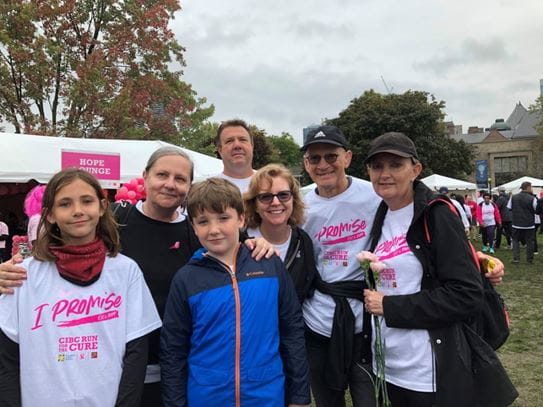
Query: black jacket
(300, 263)
(451, 292)
(505, 212)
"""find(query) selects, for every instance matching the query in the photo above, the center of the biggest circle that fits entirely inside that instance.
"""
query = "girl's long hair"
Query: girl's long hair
(49, 233)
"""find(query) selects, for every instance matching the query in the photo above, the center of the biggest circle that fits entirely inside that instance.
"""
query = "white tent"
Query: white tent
(26, 157)
(514, 186)
(435, 181)
(308, 188)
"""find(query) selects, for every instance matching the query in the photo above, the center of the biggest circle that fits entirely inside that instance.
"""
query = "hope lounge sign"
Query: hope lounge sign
(104, 166)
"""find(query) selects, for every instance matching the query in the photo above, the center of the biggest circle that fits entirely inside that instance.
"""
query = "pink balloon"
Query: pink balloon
(123, 190)
(134, 181)
(140, 188)
(141, 181)
(131, 194)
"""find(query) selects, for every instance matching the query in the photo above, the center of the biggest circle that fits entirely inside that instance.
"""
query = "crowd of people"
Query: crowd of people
(252, 318)
(513, 217)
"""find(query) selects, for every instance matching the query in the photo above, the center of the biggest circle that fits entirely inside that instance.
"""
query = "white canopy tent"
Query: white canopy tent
(308, 188)
(514, 186)
(26, 157)
(435, 181)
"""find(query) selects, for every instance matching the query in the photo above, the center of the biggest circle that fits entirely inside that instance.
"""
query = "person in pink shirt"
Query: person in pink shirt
(488, 216)
(468, 199)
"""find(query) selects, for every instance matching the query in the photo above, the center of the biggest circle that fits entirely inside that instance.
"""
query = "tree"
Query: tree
(415, 113)
(94, 68)
(201, 138)
(538, 107)
(288, 151)
(264, 151)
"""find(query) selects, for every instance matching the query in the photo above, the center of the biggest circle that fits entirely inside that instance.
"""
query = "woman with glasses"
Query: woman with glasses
(273, 210)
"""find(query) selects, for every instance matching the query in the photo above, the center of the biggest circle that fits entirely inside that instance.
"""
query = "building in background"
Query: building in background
(511, 147)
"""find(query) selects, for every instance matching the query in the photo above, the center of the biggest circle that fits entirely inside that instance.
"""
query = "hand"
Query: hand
(260, 247)
(11, 275)
(495, 276)
(373, 301)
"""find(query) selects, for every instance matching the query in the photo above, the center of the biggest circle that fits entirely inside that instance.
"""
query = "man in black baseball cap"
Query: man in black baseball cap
(339, 213)
(325, 135)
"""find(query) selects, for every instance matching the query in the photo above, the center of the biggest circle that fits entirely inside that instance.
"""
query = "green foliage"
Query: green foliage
(94, 68)
(200, 138)
(538, 107)
(415, 113)
(289, 152)
(264, 151)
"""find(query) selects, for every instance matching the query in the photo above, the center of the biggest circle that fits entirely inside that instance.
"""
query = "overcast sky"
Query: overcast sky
(285, 64)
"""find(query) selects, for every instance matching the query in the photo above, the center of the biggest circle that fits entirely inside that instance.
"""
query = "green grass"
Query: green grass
(522, 354)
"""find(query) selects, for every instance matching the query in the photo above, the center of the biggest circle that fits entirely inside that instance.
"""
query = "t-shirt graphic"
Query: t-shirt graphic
(72, 339)
(408, 352)
(339, 228)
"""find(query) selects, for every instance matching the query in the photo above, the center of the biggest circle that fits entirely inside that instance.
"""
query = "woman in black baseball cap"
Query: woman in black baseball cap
(429, 284)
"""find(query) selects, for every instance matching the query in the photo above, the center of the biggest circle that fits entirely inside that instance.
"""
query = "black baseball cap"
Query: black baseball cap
(325, 135)
(393, 143)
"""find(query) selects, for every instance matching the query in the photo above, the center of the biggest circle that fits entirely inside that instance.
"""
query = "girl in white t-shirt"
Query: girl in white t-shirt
(75, 333)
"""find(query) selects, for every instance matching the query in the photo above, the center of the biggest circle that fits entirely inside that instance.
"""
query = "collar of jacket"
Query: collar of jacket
(422, 195)
(199, 257)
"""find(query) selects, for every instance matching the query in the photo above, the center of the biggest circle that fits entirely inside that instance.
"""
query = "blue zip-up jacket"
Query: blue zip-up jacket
(233, 337)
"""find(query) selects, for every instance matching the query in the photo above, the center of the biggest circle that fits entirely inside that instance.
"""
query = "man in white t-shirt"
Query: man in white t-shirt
(234, 143)
(340, 214)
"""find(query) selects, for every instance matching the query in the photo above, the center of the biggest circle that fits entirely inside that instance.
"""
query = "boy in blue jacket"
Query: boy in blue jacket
(233, 332)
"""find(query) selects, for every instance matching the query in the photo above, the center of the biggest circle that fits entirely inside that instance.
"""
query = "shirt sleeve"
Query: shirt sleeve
(141, 313)
(9, 315)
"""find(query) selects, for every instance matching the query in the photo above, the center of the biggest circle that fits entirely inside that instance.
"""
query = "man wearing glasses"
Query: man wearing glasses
(340, 213)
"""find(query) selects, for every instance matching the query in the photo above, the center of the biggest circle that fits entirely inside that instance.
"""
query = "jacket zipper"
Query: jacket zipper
(294, 253)
(237, 360)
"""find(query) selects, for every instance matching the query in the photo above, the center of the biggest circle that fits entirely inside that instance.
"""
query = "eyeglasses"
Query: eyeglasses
(267, 197)
(315, 159)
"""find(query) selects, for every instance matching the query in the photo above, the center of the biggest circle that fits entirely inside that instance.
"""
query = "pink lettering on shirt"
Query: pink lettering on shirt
(86, 307)
(392, 248)
(344, 232)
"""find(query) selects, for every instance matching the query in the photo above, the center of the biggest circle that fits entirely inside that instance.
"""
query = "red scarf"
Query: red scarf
(81, 264)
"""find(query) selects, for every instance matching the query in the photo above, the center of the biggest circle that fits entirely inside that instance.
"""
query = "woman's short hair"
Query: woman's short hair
(166, 151)
(263, 178)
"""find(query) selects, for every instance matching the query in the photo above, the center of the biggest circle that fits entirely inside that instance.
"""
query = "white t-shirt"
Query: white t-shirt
(72, 339)
(487, 214)
(4, 230)
(339, 228)
(241, 183)
(281, 248)
(408, 352)
(462, 213)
